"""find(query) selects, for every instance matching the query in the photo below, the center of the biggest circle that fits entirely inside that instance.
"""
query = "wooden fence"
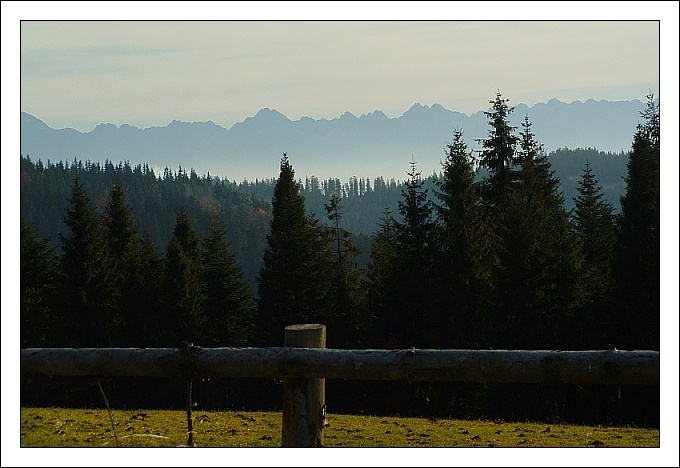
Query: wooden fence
(304, 364)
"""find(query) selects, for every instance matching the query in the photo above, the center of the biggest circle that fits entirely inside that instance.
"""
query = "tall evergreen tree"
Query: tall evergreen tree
(594, 225)
(229, 304)
(118, 226)
(38, 274)
(344, 316)
(638, 268)
(498, 153)
(134, 267)
(183, 292)
(293, 283)
(537, 277)
(86, 302)
(149, 278)
(401, 278)
(120, 237)
(537, 282)
(411, 303)
(380, 275)
(463, 268)
(498, 164)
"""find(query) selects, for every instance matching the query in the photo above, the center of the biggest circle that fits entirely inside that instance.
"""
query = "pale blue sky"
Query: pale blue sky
(147, 73)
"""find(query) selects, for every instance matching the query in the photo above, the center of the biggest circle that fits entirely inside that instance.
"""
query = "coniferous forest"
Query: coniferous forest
(486, 254)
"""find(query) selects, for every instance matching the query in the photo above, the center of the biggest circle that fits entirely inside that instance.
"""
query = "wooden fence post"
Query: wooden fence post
(304, 399)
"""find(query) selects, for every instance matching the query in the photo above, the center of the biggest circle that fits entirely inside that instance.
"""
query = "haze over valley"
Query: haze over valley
(368, 145)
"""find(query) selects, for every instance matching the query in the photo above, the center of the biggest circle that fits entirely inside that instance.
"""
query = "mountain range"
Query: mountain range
(366, 146)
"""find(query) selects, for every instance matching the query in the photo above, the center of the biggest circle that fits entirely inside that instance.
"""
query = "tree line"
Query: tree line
(485, 257)
(364, 201)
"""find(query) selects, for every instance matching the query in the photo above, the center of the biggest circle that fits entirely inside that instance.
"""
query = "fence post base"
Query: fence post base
(304, 399)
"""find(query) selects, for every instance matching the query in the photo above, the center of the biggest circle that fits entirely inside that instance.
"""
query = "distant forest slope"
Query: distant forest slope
(609, 168)
(365, 200)
(155, 199)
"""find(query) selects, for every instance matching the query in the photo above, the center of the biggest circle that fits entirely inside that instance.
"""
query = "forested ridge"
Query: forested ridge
(155, 198)
(487, 253)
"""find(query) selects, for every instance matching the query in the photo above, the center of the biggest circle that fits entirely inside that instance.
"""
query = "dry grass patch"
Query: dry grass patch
(58, 427)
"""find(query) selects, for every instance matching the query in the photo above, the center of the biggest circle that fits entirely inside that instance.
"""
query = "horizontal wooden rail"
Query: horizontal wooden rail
(566, 367)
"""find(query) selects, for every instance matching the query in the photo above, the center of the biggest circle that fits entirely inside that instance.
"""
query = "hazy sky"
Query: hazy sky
(147, 73)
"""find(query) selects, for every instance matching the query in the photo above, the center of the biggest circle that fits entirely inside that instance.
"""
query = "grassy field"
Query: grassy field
(58, 427)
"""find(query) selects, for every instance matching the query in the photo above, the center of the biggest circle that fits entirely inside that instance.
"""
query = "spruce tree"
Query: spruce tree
(134, 272)
(38, 275)
(401, 278)
(411, 303)
(344, 316)
(120, 236)
(86, 297)
(229, 304)
(380, 278)
(183, 295)
(498, 153)
(463, 268)
(293, 281)
(118, 226)
(638, 267)
(538, 276)
(143, 328)
(594, 225)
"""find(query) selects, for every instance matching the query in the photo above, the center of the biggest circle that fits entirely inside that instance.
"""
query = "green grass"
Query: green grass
(59, 427)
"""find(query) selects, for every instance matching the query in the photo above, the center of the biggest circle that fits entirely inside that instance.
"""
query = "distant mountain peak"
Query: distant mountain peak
(375, 115)
(371, 143)
(348, 116)
(268, 112)
(416, 109)
(208, 123)
(105, 126)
